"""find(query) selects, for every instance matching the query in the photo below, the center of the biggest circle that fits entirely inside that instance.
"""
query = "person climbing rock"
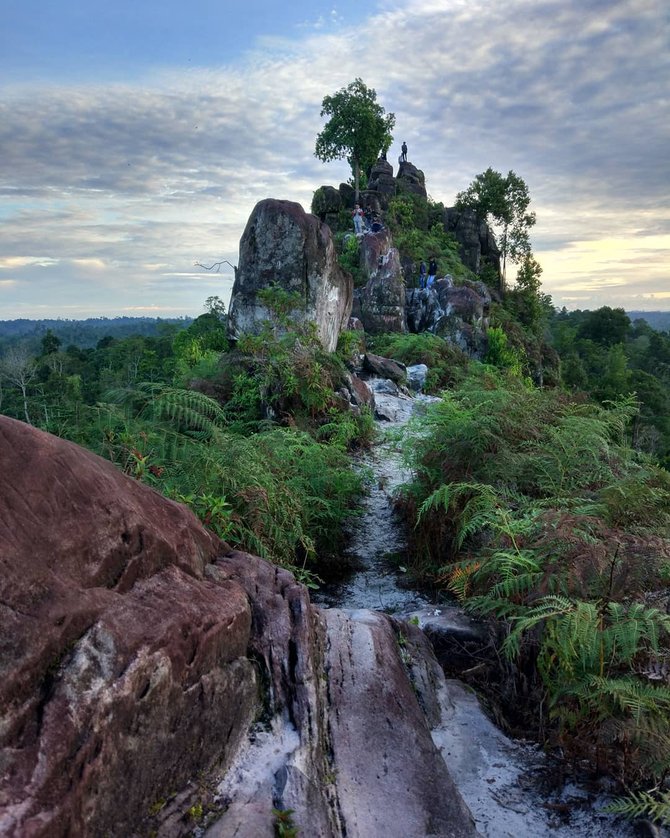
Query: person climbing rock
(422, 275)
(403, 156)
(358, 220)
(432, 272)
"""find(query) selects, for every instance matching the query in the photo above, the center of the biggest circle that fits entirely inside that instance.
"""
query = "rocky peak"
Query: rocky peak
(410, 179)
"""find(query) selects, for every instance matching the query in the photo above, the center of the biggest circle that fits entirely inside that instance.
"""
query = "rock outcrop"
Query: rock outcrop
(475, 238)
(284, 246)
(381, 187)
(124, 667)
(412, 180)
(380, 304)
(458, 313)
(137, 651)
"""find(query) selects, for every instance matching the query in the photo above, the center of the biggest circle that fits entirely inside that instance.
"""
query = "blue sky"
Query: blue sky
(137, 137)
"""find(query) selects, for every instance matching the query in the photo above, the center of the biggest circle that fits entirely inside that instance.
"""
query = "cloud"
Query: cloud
(106, 181)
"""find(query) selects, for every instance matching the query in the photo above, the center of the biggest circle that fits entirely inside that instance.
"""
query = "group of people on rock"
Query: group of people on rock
(427, 275)
(366, 221)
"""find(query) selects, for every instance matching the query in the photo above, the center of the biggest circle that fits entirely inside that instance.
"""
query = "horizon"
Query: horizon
(193, 316)
(135, 146)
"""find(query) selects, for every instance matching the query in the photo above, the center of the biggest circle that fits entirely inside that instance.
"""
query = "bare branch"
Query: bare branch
(216, 267)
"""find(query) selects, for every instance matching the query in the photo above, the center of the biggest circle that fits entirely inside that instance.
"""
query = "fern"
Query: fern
(472, 506)
(643, 804)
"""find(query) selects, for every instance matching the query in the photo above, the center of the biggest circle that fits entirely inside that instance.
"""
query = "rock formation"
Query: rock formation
(458, 313)
(380, 305)
(412, 180)
(284, 246)
(137, 651)
(381, 187)
(476, 241)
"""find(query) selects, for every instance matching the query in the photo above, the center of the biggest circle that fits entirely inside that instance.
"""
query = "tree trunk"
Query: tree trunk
(357, 178)
(504, 261)
(25, 403)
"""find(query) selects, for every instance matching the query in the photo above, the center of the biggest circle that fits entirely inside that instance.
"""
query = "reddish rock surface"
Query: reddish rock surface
(123, 667)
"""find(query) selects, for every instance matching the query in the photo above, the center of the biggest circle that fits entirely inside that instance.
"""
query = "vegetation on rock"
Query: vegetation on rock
(358, 128)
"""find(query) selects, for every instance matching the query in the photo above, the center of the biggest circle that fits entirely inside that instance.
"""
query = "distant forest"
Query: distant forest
(85, 334)
(659, 320)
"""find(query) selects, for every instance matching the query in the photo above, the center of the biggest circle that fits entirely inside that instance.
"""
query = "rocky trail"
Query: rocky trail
(510, 786)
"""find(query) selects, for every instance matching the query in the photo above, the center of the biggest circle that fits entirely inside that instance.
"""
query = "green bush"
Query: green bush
(446, 363)
(533, 509)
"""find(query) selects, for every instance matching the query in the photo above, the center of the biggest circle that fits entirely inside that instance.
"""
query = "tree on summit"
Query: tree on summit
(359, 129)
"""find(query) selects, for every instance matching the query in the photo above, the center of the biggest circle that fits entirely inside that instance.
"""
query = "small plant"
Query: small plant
(284, 825)
(196, 812)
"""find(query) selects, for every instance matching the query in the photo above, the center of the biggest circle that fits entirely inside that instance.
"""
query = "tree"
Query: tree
(50, 343)
(605, 326)
(19, 368)
(359, 129)
(502, 202)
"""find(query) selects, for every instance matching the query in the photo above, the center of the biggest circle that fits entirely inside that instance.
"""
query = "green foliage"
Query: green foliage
(418, 232)
(284, 825)
(643, 804)
(281, 303)
(350, 345)
(446, 363)
(279, 494)
(605, 356)
(358, 128)
(535, 511)
(500, 354)
(605, 326)
(503, 201)
(349, 257)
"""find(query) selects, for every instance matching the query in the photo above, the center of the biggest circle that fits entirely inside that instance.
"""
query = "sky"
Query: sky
(136, 138)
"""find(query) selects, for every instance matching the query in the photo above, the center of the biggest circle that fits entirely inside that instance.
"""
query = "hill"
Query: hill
(659, 320)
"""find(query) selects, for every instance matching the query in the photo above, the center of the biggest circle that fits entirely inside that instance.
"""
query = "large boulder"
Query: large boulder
(381, 303)
(458, 313)
(141, 657)
(284, 246)
(412, 180)
(326, 204)
(124, 667)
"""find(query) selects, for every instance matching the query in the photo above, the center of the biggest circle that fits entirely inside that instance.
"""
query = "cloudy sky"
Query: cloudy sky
(136, 138)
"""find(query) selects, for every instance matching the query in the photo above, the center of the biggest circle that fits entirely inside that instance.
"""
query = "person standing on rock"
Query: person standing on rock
(432, 272)
(358, 220)
(403, 156)
(422, 275)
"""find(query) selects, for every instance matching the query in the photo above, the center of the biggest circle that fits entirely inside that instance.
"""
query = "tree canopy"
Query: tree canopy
(503, 202)
(359, 129)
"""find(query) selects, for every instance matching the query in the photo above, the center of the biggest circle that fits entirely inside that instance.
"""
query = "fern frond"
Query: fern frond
(643, 804)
